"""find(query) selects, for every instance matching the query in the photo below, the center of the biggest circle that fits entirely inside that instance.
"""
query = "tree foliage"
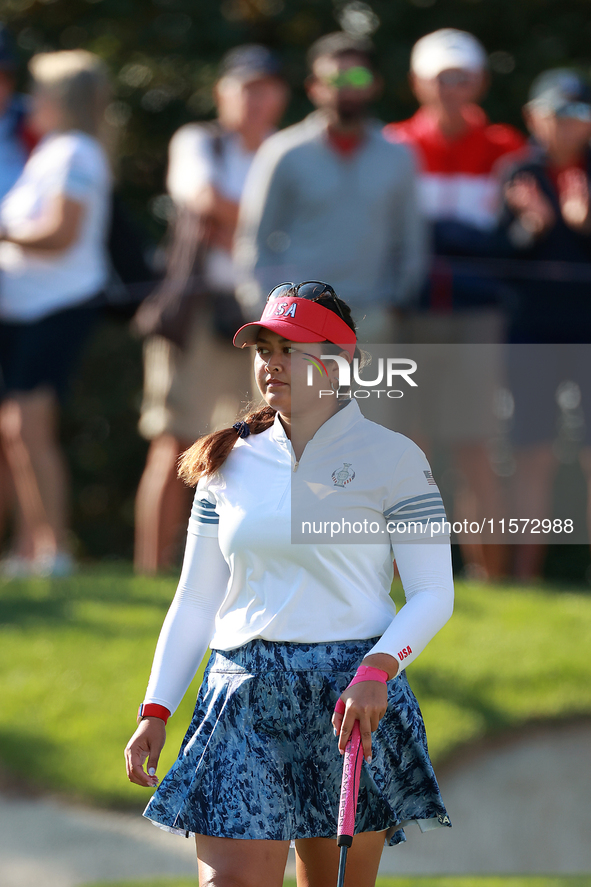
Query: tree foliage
(163, 53)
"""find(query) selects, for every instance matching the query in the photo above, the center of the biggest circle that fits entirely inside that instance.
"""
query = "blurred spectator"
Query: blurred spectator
(330, 199)
(197, 389)
(16, 139)
(16, 142)
(547, 218)
(53, 226)
(460, 193)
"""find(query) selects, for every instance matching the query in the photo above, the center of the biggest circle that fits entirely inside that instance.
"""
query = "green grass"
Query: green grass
(448, 881)
(507, 656)
(75, 656)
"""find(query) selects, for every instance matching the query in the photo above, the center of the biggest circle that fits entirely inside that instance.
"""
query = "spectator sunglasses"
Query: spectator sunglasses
(312, 290)
(357, 77)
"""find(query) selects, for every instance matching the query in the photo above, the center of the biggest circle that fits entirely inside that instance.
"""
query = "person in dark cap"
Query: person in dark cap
(183, 399)
(547, 223)
(331, 199)
(547, 204)
(250, 62)
(561, 92)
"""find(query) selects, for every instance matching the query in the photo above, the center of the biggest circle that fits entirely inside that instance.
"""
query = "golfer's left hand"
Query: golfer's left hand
(366, 702)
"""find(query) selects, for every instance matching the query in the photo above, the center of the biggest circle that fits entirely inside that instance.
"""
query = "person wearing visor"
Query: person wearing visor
(547, 218)
(330, 197)
(295, 629)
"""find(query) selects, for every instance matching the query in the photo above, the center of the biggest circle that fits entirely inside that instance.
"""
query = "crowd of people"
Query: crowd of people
(418, 224)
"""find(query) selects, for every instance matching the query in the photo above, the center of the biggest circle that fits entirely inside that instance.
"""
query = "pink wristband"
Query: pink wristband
(368, 673)
(363, 673)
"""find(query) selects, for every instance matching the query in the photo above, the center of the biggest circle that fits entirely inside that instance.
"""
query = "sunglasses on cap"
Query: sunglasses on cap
(312, 290)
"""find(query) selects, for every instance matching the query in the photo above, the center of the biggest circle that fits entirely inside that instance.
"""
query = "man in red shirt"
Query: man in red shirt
(456, 145)
(457, 150)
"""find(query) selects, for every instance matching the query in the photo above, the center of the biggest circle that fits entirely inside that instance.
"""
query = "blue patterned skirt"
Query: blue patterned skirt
(260, 759)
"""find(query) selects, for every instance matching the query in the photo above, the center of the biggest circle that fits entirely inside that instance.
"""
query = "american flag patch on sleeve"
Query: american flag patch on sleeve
(430, 479)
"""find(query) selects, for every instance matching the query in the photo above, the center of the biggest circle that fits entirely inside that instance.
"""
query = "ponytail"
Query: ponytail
(209, 453)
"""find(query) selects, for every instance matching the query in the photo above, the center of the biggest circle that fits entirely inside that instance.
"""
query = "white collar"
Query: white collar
(333, 428)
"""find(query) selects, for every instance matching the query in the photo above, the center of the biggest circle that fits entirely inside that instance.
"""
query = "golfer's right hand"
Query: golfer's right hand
(145, 745)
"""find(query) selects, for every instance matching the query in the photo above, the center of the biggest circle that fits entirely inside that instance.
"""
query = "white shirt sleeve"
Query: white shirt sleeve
(427, 579)
(84, 171)
(189, 624)
(191, 164)
(416, 513)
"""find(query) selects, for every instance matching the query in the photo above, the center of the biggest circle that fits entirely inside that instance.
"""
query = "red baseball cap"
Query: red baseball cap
(299, 320)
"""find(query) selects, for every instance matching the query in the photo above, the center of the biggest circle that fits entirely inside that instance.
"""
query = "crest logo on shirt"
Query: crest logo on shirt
(343, 476)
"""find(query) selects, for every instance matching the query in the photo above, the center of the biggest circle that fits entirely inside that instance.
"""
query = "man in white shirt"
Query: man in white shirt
(184, 396)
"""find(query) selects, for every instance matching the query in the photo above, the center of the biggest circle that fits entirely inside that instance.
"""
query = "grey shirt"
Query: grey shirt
(311, 213)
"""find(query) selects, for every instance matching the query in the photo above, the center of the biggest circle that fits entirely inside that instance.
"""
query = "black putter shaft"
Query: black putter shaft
(342, 864)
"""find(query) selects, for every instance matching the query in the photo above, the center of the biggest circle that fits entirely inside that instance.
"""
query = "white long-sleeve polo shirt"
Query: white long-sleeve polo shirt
(243, 578)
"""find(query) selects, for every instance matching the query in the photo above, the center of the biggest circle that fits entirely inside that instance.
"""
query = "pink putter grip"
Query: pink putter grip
(352, 761)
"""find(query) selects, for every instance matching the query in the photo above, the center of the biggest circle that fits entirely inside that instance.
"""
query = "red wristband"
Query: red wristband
(363, 673)
(152, 710)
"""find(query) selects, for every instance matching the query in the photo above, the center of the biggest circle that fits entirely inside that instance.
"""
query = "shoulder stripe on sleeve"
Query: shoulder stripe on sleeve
(424, 497)
(426, 507)
(424, 512)
(204, 512)
(418, 509)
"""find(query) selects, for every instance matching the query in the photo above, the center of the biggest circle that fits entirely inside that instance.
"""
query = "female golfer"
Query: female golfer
(290, 625)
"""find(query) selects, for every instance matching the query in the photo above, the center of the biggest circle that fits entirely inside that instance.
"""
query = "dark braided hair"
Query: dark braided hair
(208, 454)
